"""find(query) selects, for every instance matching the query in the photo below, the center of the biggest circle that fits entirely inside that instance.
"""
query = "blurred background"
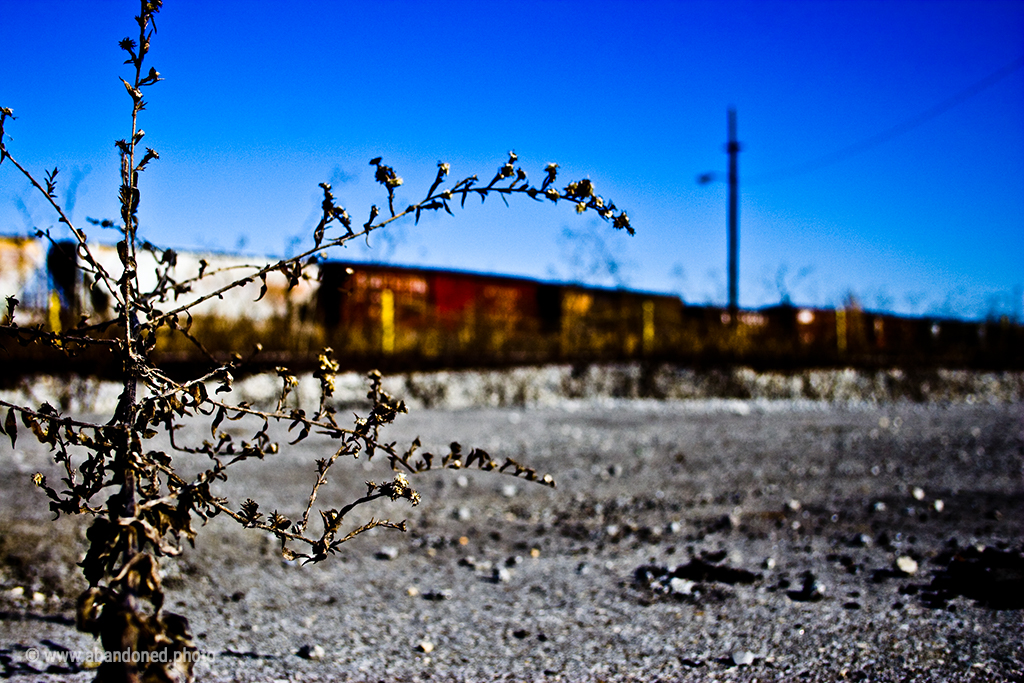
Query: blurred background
(881, 162)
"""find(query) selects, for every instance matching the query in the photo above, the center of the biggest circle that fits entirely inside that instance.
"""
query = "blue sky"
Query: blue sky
(262, 101)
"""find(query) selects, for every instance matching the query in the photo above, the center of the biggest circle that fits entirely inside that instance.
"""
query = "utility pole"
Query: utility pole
(733, 148)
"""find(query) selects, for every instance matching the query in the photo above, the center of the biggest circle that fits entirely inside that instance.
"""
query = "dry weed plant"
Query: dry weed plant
(141, 508)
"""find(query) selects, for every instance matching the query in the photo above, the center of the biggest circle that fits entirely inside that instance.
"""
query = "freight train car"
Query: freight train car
(427, 317)
(398, 318)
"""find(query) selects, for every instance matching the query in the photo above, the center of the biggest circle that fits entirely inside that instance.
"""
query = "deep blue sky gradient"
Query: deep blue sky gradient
(263, 100)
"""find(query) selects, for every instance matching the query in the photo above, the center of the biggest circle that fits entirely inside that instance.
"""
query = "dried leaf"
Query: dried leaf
(263, 286)
(11, 427)
(217, 420)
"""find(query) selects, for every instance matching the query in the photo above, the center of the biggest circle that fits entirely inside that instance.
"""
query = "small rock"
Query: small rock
(38, 597)
(811, 591)
(906, 564)
(879, 507)
(726, 523)
(425, 646)
(311, 652)
(18, 591)
(501, 575)
(793, 505)
(412, 591)
(462, 482)
(509, 490)
(742, 657)
(388, 552)
(681, 586)
(769, 563)
(652, 534)
(939, 505)
(917, 493)
(437, 596)
(464, 514)
(859, 541)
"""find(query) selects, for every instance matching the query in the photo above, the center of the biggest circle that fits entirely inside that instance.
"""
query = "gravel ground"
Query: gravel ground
(733, 540)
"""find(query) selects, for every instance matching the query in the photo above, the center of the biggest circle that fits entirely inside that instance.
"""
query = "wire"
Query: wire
(890, 133)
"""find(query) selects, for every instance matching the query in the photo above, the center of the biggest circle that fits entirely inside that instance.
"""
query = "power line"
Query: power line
(893, 132)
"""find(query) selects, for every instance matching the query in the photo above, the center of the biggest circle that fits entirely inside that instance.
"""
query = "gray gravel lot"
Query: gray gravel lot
(688, 540)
